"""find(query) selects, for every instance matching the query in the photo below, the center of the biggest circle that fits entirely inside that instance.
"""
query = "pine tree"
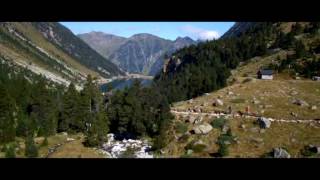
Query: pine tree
(300, 49)
(31, 149)
(69, 115)
(97, 121)
(7, 118)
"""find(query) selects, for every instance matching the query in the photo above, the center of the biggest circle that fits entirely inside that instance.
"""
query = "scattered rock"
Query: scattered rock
(227, 142)
(294, 114)
(267, 106)
(257, 140)
(204, 104)
(262, 111)
(261, 106)
(197, 109)
(204, 128)
(190, 101)
(198, 120)
(293, 140)
(64, 133)
(314, 107)
(70, 139)
(293, 93)
(225, 128)
(242, 126)
(256, 102)
(189, 151)
(264, 122)
(218, 102)
(300, 102)
(254, 129)
(190, 119)
(262, 131)
(280, 153)
(230, 93)
(207, 94)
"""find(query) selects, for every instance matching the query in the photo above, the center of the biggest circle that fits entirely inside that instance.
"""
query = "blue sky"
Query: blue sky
(167, 30)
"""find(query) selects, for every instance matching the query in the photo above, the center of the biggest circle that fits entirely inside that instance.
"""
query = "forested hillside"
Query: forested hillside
(195, 70)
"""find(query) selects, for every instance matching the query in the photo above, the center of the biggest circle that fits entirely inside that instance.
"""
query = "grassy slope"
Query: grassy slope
(276, 93)
(73, 149)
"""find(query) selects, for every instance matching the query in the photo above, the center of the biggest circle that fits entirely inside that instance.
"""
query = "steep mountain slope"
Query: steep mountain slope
(103, 43)
(141, 53)
(66, 40)
(53, 51)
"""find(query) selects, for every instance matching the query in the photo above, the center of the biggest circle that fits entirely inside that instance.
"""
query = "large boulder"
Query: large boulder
(280, 153)
(300, 102)
(264, 122)
(204, 128)
(218, 102)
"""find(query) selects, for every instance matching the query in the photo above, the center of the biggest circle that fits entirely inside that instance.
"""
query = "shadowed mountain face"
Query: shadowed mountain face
(141, 53)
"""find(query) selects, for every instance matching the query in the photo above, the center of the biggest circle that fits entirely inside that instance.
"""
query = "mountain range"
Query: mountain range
(141, 53)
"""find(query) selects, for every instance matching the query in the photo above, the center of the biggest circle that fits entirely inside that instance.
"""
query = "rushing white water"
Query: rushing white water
(126, 148)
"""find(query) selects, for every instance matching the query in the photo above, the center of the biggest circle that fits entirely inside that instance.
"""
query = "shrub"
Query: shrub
(198, 148)
(307, 151)
(195, 147)
(247, 80)
(218, 122)
(223, 150)
(181, 128)
(10, 151)
(184, 138)
(45, 142)
(238, 100)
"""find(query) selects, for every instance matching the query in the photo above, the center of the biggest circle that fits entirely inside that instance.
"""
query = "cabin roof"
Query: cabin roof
(266, 72)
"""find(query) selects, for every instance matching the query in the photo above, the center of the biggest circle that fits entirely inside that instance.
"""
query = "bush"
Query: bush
(184, 138)
(10, 151)
(238, 100)
(247, 80)
(195, 147)
(181, 128)
(198, 148)
(45, 142)
(223, 150)
(218, 122)
(31, 149)
(307, 151)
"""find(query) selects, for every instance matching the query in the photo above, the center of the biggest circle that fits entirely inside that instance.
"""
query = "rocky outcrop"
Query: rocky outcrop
(280, 153)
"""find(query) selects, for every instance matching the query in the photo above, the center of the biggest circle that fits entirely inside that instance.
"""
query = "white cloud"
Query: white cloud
(199, 33)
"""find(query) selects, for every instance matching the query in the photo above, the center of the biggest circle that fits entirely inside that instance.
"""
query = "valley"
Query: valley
(252, 93)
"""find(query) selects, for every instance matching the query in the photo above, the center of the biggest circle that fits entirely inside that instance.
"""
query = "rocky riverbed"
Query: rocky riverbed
(126, 148)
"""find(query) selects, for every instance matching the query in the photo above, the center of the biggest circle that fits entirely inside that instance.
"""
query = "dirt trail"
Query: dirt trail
(213, 114)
